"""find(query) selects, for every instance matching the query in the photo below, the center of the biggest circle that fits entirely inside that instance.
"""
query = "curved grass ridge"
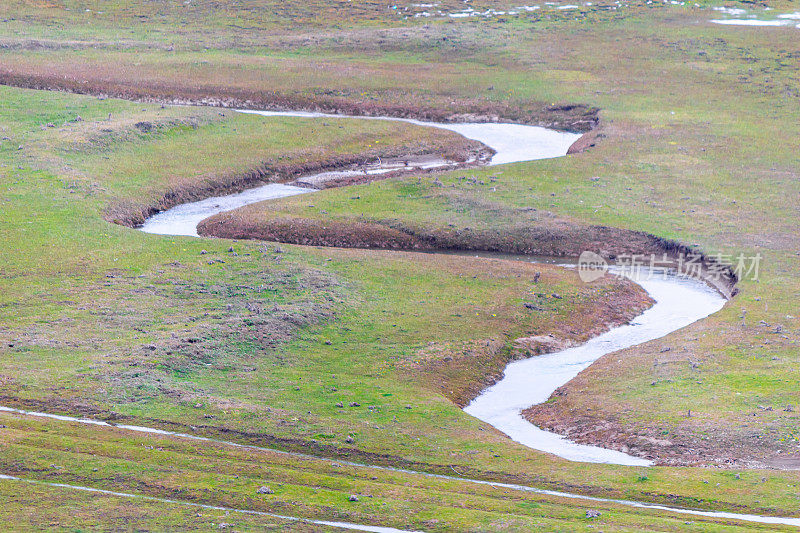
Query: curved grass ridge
(562, 238)
(565, 117)
(778, 520)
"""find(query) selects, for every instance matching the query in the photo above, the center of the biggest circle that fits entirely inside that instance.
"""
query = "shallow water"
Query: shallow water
(183, 219)
(785, 19)
(753, 22)
(680, 301)
(511, 142)
(525, 383)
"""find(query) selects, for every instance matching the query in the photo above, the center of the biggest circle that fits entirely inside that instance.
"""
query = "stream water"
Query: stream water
(679, 302)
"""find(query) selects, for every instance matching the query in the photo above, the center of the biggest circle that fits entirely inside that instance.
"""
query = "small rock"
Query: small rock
(198, 406)
(349, 439)
(353, 498)
(263, 489)
(340, 404)
(592, 513)
(355, 404)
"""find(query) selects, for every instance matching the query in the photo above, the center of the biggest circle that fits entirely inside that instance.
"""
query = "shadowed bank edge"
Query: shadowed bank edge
(525, 383)
(665, 245)
(695, 296)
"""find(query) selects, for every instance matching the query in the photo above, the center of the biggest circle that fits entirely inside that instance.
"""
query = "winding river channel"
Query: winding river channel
(679, 302)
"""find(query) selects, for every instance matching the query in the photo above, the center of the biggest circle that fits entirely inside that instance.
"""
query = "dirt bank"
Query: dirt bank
(461, 373)
(543, 236)
(683, 446)
(586, 141)
(565, 117)
(461, 152)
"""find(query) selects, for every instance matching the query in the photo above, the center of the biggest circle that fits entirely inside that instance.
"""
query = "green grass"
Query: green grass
(698, 146)
(700, 125)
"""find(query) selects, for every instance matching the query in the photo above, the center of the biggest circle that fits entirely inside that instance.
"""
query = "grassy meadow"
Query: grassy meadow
(365, 354)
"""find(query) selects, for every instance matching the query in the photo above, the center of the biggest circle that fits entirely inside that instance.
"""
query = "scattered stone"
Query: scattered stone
(557, 296)
(737, 476)
(340, 404)
(198, 406)
(353, 498)
(349, 439)
(278, 250)
(592, 513)
(355, 404)
(263, 489)
(536, 277)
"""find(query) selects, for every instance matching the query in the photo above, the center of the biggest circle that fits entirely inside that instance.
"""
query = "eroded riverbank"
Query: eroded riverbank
(529, 382)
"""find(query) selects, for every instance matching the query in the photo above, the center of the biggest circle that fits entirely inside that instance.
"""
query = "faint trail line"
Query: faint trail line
(343, 525)
(790, 521)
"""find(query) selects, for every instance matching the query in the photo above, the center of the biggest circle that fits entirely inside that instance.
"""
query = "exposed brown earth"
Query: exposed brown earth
(586, 141)
(568, 117)
(131, 214)
(544, 236)
(683, 447)
(461, 373)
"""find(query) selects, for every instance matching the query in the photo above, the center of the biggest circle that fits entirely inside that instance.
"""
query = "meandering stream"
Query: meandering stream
(679, 302)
